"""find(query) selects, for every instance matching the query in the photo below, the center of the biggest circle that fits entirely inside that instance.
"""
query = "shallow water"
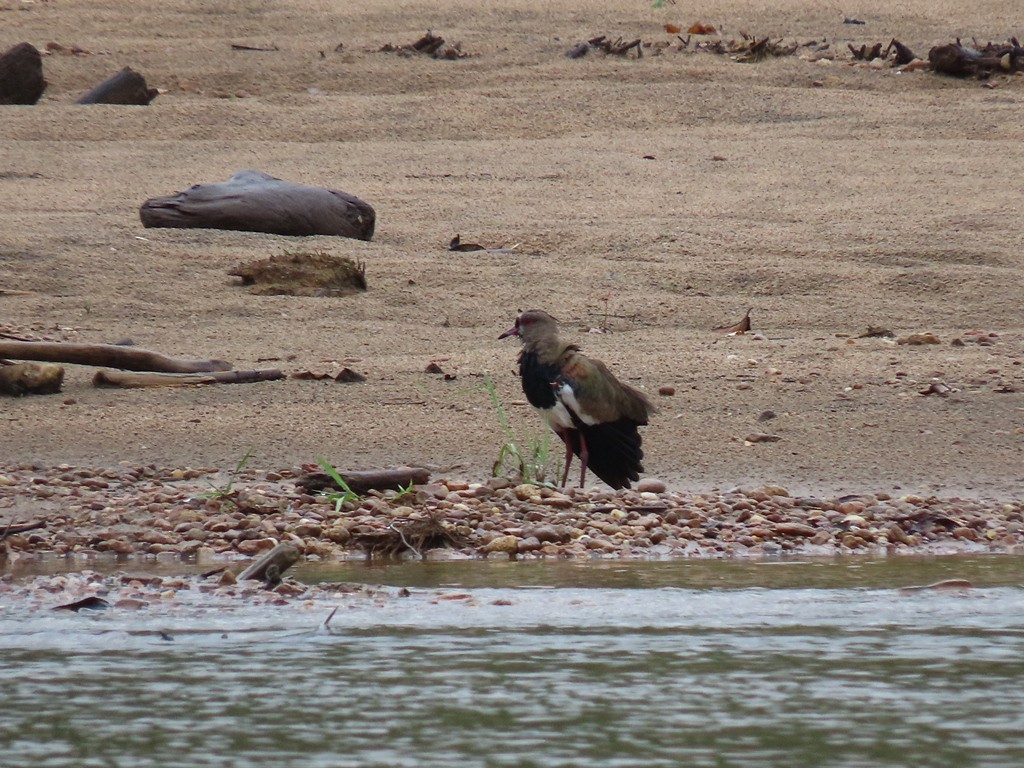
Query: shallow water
(816, 663)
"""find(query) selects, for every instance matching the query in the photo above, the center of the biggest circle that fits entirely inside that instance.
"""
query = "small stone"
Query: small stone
(773, 490)
(509, 544)
(255, 546)
(130, 604)
(529, 544)
(666, 390)
(795, 529)
(526, 492)
(650, 485)
(918, 339)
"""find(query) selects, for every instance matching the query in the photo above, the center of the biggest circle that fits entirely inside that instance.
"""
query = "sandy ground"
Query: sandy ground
(871, 198)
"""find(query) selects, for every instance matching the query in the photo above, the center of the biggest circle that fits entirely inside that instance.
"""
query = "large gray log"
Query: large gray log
(21, 75)
(253, 201)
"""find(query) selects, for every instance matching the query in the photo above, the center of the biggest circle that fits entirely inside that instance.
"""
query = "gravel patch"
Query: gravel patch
(207, 515)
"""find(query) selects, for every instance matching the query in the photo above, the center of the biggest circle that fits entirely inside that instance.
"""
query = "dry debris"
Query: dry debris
(429, 45)
(954, 59)
(304, 273)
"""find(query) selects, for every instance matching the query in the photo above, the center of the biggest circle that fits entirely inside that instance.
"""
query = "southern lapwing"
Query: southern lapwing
(594, 414)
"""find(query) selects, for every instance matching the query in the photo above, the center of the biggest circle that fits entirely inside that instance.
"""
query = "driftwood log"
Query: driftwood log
(253, 201)
(21, 75)
(106, 355)
(141, 380)
(124, 87)
(362, 481)
(271, 565)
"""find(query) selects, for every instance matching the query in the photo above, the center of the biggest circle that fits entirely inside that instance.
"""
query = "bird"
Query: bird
(595, 415)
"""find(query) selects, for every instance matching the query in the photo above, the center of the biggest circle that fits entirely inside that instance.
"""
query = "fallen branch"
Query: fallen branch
(12, 529)
(361, 481)
(140, 380)
(106, 355)
(269, 568)
(243, 47)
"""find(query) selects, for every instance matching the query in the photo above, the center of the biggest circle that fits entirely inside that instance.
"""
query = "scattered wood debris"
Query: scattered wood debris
(429, 45)
(750, 49)
(700, 28)
(737, 328)
(411, 534)
(344, 376)
(456, 244)
(864, 53)
(262, 48)
(303, 273)
(876, 332)
(981, 61)
(954, 59)
(92, 603)
(617, 47)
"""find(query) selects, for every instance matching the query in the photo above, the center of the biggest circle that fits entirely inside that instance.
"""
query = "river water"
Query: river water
(770, 663)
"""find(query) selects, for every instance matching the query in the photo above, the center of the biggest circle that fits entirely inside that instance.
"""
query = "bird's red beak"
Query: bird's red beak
(513, 331)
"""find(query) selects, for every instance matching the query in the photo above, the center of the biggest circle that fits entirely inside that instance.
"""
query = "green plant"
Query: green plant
(403, 491)
(224, 492)
(343, 495)
(527, 464)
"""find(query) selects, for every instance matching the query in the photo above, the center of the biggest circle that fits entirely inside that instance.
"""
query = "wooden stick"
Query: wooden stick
(139, 380)
(111, 355)
(361, 481)
(12, 529)
(270, 567)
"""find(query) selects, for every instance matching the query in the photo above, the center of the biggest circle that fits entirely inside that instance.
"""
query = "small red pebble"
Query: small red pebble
(666, 390)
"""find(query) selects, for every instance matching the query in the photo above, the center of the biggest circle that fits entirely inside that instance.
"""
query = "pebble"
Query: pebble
(650, 485)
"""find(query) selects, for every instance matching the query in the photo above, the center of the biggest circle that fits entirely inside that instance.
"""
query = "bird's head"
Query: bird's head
(532, 325)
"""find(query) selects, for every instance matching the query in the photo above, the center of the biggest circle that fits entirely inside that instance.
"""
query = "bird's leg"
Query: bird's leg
(584, 457)
(568, 455)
